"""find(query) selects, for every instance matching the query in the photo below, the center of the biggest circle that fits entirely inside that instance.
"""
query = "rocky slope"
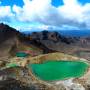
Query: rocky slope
(25, 78)
(12, 41)
(15, 75)
(8, 40)
(56, 42)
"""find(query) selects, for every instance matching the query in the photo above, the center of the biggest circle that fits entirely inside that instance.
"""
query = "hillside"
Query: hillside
(12, 41)
(56, 42)
(8, 40)
(19, 52)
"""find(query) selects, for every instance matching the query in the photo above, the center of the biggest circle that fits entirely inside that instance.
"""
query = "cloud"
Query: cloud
(72, 14)
(6, 13)
(0, 2)
(32, 10)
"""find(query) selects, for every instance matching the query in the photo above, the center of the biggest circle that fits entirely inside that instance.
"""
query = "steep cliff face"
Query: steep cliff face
(8, 39)
(7, 32)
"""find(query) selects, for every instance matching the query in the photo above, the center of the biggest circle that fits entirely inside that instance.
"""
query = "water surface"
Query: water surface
(59, 70)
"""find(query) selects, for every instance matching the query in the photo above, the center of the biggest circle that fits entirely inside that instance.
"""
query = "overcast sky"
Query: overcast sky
(46, 14)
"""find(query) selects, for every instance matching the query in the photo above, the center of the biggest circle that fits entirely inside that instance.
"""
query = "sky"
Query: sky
(46, 14)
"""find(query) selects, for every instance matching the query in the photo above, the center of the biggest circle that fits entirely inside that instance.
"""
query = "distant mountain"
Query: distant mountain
(12, 41)
(69, 33)
(57, 42)
(75, 33)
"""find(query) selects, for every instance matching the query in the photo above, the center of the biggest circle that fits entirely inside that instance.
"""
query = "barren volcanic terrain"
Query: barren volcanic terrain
(25, 60)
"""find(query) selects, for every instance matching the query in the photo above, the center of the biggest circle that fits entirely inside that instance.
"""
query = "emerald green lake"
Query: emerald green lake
(21, 54)
(58, 70)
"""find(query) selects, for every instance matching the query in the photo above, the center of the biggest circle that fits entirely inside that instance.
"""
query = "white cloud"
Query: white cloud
(5, 14)
(5, 11)
(71, 10)
(0, 2)
(72, 13)
(32, 10)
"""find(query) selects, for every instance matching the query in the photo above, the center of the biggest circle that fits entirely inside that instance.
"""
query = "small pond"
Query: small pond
(21, 54)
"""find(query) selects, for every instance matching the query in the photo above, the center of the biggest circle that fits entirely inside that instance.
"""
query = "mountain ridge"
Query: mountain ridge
(11, 41)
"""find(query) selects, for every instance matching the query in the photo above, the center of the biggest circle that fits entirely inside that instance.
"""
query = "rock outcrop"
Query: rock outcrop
(52, 36)
(54, 41)
(9, 39)
(26, 76)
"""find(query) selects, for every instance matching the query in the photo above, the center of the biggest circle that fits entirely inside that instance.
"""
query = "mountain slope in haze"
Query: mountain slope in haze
(56, 42)
(12, 41)
(66, 33)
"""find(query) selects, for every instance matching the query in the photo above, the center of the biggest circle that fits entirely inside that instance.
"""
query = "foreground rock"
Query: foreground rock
(26, 76)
